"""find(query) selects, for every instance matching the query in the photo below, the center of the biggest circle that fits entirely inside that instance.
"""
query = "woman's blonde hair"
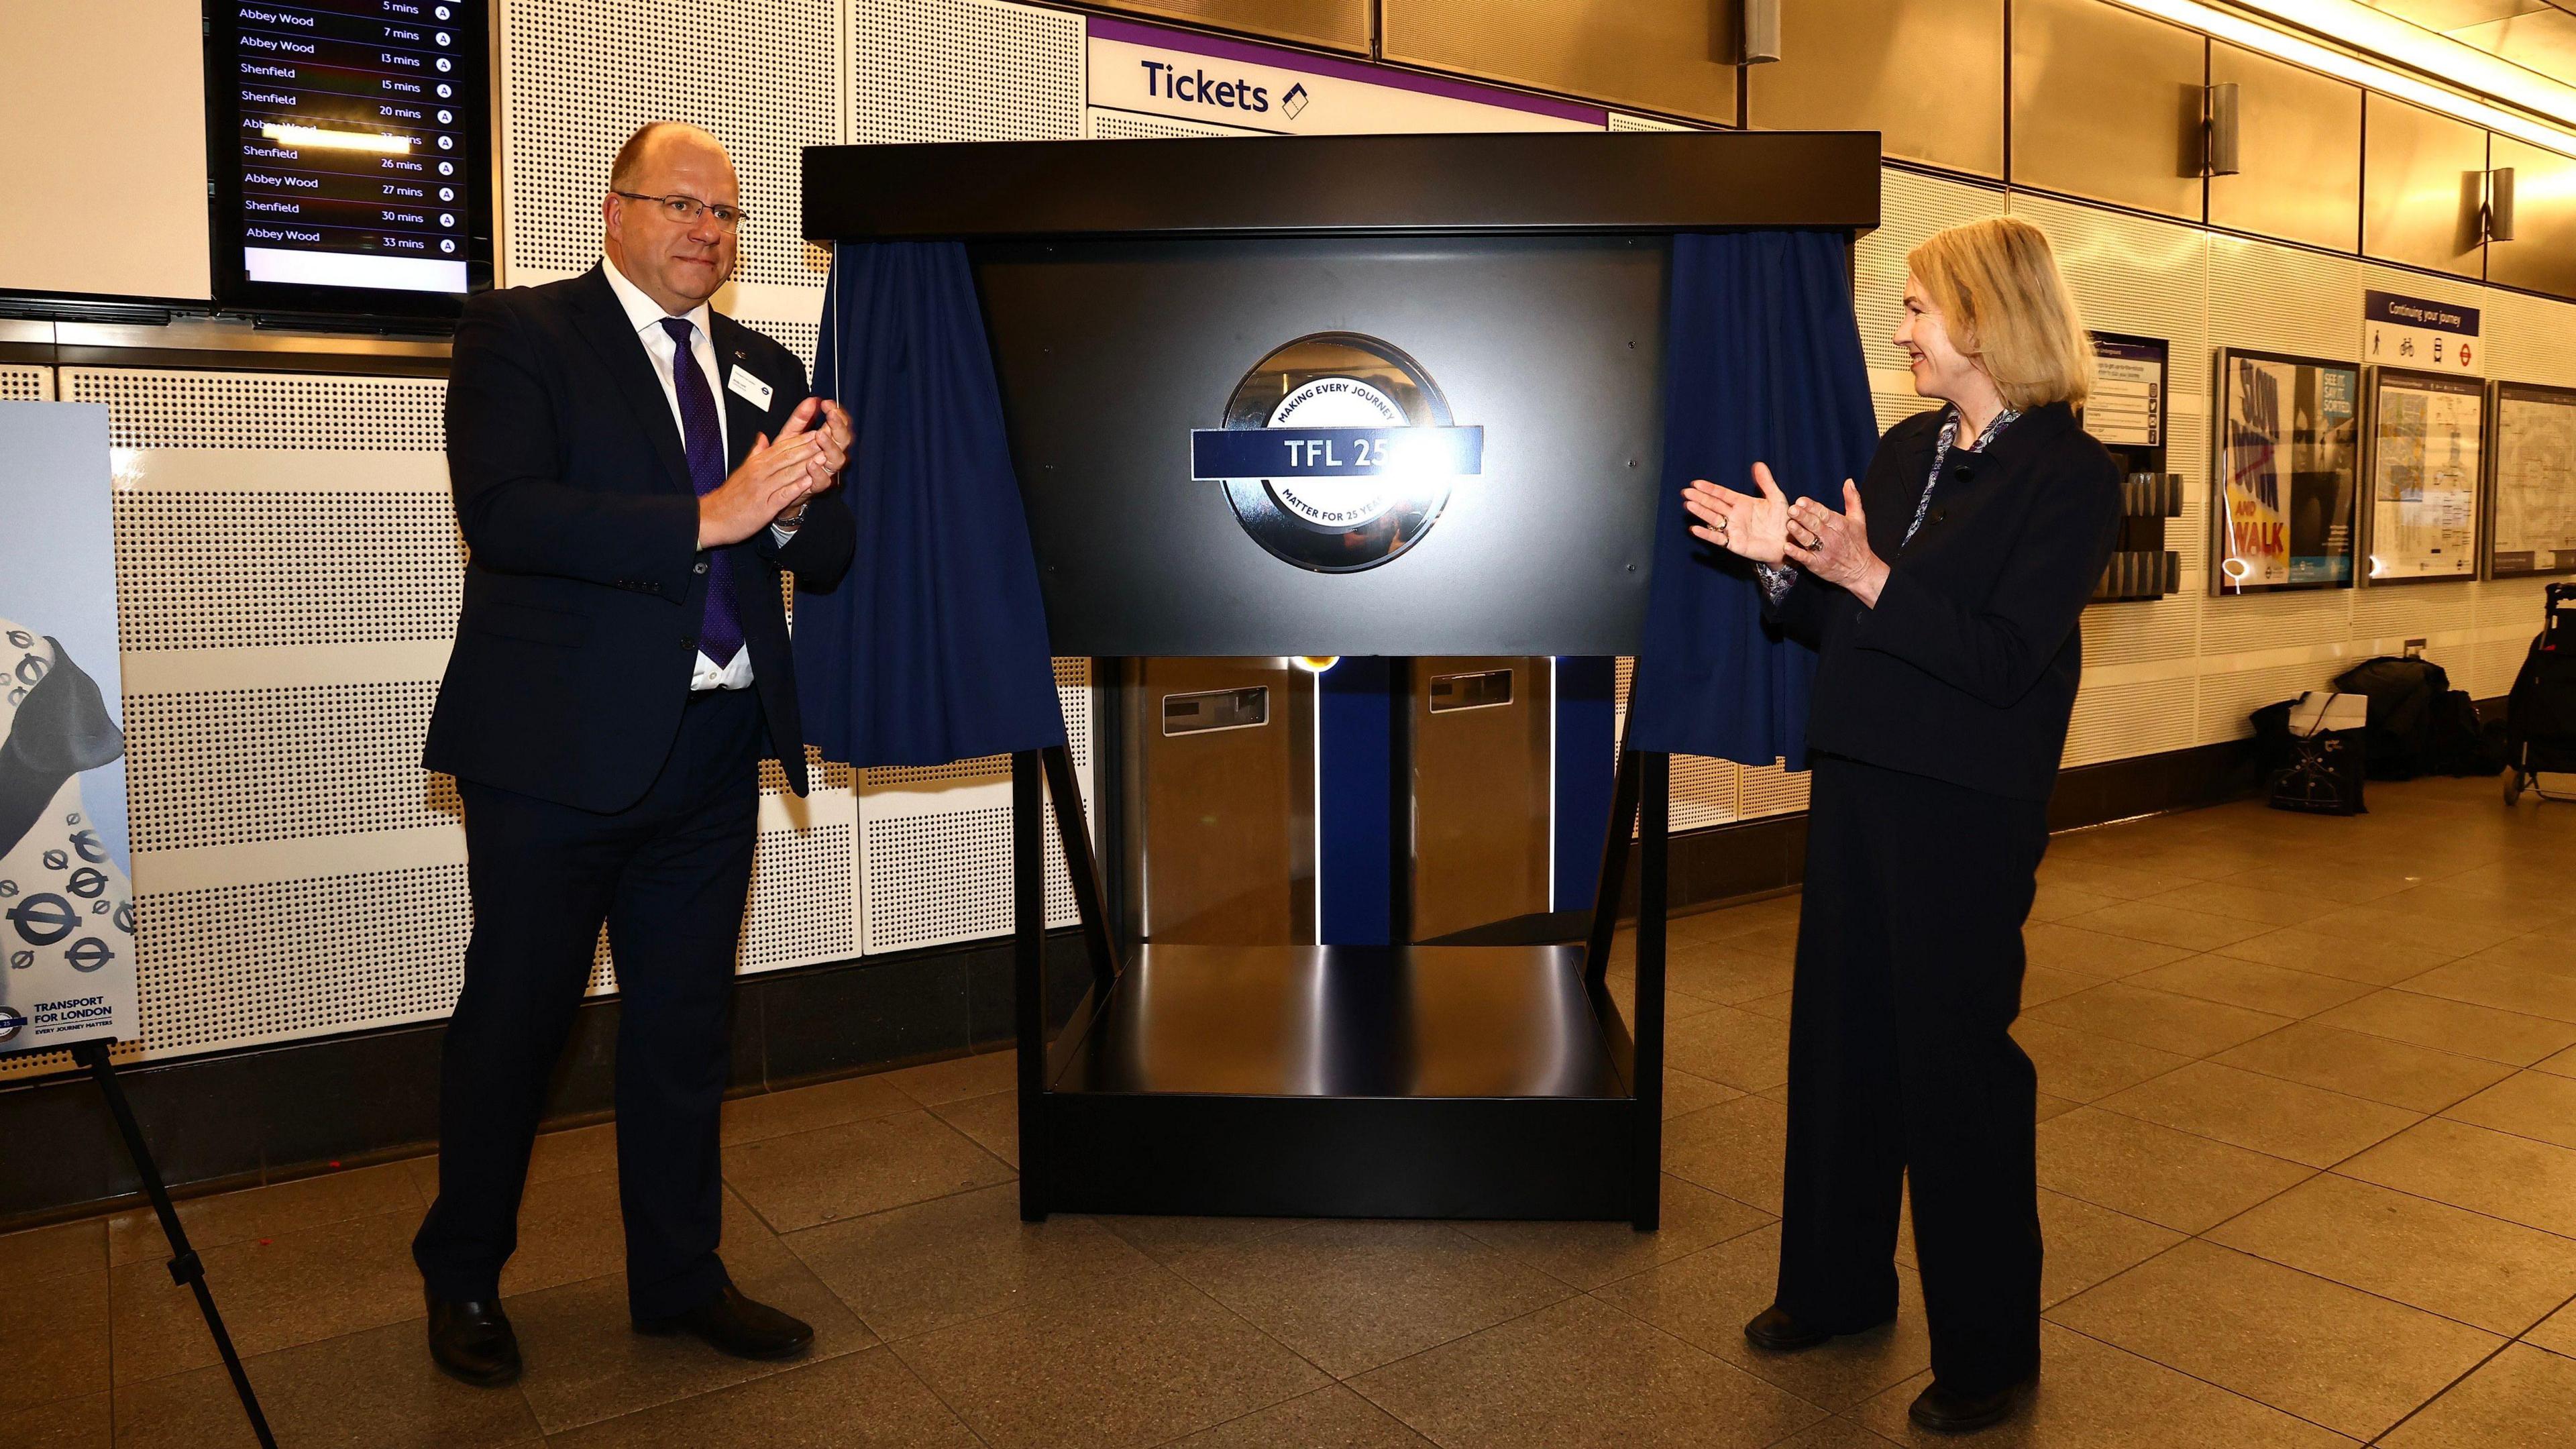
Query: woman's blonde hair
(2005, 304)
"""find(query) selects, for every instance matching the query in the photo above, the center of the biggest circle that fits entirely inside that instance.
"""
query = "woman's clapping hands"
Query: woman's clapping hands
(1770, 529)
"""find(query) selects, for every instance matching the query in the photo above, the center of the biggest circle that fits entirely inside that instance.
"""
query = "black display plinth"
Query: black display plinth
(1427, 1081)
(1137, 295)
(1342, 1081)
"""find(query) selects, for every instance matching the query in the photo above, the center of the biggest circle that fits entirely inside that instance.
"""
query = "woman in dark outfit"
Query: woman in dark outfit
(1942, 602)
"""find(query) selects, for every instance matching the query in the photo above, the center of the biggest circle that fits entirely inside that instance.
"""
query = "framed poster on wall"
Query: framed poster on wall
(2288, 441)
(2531, 481)
(2425, 430)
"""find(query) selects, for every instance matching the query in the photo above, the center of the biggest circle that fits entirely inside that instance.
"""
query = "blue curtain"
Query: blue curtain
(934, 646)
(1762, 361)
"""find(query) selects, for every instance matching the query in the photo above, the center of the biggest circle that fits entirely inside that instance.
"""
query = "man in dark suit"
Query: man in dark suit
(632, 473)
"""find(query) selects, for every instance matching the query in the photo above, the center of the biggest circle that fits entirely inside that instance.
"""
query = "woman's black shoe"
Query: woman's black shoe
(1774, 1329)
(1950, 1412)
(730, 1323)
(473, 1342)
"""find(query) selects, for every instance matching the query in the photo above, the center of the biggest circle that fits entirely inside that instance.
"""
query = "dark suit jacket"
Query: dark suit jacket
(1967, 668)
(585, 589)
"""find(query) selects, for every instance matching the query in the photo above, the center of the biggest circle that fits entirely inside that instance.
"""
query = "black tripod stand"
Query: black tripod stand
(184, 1264)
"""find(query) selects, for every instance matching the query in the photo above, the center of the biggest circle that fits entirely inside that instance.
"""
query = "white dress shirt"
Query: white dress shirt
(646, 315)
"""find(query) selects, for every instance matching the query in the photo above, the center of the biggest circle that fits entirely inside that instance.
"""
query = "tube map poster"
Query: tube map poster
(2288, 441)
(2424, 476)
(66, 909)
(2534, 466)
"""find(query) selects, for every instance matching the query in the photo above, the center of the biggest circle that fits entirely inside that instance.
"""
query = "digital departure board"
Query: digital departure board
(351, 153)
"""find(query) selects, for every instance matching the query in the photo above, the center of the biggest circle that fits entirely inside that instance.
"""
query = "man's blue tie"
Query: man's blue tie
(720, 638)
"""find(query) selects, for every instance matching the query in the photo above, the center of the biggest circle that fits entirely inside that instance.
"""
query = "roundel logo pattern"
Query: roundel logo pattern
(1362, 393)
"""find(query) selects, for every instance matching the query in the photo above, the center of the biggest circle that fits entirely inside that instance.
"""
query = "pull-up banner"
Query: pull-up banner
(66, 909)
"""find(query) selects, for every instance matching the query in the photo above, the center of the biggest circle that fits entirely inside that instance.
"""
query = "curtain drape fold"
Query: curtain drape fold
(1762, 362)
(934, 647)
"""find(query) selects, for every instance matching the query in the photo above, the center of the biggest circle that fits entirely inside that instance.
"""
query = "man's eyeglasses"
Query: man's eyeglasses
(686, 209)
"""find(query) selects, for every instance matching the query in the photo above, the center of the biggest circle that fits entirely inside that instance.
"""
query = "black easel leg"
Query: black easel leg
(1614, 867)
(1654, 832)
(1082, 871)
(1028, 971)
(184, 1264)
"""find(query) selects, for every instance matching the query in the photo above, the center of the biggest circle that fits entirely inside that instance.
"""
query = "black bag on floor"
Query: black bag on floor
(2311, 751)
(2405, 698)
(2462, 743)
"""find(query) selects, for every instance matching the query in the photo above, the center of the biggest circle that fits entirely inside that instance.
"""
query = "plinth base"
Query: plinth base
(1339, 1081)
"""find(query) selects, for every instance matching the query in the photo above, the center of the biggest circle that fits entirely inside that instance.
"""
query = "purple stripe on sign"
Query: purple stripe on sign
(1189, 42)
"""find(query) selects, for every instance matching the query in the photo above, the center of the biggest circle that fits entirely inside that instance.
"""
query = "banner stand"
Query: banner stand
(185, 1266)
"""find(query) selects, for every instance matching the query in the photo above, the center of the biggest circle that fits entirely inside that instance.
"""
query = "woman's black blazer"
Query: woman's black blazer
(1967, 668)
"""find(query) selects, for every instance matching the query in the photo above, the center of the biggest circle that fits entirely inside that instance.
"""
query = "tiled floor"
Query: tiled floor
(2309, 1160)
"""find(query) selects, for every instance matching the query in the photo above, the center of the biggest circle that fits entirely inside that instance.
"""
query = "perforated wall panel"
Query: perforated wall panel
(219, 568)
(804, 885)
(935, 841)
(152, 408)
(2114, 721)
(796, 337)
(1911, 208)
(577, 78)
(2530, 339)
(2130, 274)
(1704, 792)
(2258, 622)
(236, 767)
(2282, 299)
(26, 384)
(2396, 610)
(2229, 697)
(965, 70)
(1774, 789)
(1109, 125)
(237, 965)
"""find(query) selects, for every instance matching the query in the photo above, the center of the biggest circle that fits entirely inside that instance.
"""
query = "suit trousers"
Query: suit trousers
(669, 876)
(1902, 1067)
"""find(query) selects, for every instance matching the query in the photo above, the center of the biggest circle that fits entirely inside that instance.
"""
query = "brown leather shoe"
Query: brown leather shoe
(1774, 1329)
(1947, 1411)
(473, 1342)
(732, 1324)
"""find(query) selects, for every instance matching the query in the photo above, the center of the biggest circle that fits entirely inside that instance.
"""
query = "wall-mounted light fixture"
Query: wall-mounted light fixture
(2495, 215)
(2218, 152)
(1761, 31)
(2238, 29)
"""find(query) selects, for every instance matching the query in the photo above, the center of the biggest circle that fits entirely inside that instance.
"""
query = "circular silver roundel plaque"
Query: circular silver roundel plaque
(1338, 380)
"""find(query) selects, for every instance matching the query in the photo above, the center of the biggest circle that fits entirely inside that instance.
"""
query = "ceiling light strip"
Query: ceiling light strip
(2238, 30)
(2429, 51)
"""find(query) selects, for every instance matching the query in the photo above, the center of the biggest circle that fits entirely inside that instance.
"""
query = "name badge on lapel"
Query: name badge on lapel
(742, 384)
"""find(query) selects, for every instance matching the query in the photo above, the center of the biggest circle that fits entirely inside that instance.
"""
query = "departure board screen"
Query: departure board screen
(351, 154)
